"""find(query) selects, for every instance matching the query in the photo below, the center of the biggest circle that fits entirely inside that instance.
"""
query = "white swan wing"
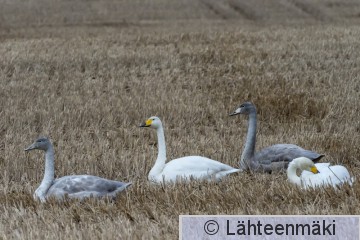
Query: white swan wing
(320, 166)
(339, 174)
(309, 179)
(196, 167)
(196, 163)
(80, 186)
(333, 175)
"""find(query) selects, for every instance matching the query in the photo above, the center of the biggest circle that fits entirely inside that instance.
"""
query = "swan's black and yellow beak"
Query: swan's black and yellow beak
(314, 170)
(147, 123)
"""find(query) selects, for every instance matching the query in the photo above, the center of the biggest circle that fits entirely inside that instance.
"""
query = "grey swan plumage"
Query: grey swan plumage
(74, 186)
(272, 158)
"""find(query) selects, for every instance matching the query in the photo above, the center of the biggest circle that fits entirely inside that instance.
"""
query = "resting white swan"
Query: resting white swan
(272, 158)
(195, 167)
(317, 175)
(75, 186)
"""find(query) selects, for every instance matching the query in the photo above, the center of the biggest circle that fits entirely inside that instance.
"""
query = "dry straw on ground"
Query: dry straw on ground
(88, 73)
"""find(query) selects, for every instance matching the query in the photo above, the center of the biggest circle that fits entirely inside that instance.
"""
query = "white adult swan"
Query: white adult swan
(75, 186)
(317, 175)
(273, 158)
(191, 167)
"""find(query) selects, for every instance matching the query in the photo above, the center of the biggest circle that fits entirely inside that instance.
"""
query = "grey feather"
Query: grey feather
(82, 186)
(75, 186)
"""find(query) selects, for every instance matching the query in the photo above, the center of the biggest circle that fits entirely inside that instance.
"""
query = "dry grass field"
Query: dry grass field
(87, 73)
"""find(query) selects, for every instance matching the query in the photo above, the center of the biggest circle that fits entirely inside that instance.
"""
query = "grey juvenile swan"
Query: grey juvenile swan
(74, 186)
(273, 158)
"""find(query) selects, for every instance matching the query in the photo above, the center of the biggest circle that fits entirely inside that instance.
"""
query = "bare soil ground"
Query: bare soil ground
(87, 73)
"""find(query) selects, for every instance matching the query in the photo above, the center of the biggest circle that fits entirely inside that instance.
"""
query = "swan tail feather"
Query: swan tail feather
(120, 189)
(316, 160)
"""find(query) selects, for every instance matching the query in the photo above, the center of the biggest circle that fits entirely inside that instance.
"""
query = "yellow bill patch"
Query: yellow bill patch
(148, 122)
(314, 170)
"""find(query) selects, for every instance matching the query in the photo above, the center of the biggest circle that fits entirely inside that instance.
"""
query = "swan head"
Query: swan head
(245, 108)
(153, 122)
(304, 163)
(42, 143)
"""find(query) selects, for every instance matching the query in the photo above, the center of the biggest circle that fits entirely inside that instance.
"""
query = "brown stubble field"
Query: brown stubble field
(87, 73)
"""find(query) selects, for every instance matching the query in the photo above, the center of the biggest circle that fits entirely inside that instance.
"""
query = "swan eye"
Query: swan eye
(242, 106)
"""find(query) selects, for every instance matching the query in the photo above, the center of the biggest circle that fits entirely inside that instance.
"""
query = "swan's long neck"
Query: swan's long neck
(49, 174)
(249, 148)
(291, 173)
(161, 158)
